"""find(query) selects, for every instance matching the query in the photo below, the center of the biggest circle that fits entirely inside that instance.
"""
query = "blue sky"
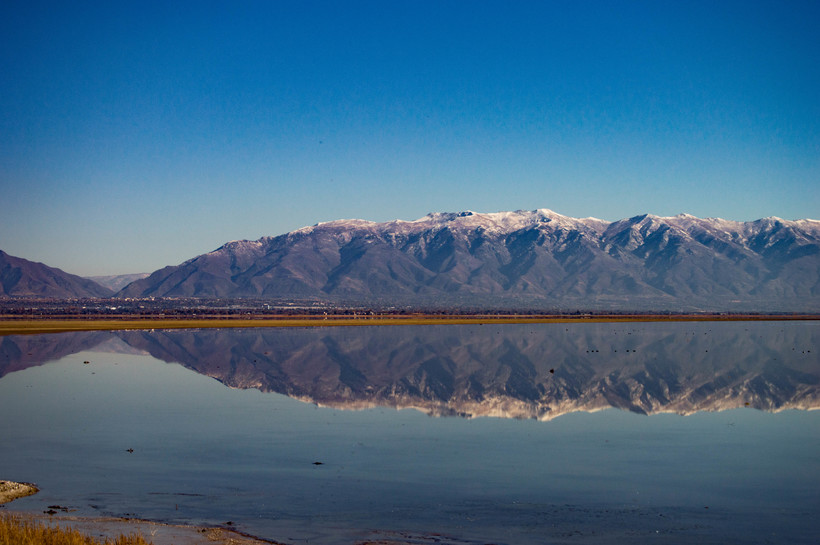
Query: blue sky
(138, 135)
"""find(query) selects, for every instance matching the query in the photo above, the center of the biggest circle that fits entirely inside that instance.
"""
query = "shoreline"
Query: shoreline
(11, 325)
(157, 533)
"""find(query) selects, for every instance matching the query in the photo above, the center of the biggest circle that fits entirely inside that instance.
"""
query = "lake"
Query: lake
(462, 434)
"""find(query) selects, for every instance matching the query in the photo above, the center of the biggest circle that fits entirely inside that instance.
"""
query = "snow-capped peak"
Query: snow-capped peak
(500, 223)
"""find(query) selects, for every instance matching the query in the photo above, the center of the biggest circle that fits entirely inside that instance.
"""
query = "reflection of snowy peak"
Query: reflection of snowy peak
(516, 371)
(526, 258)
(509, 371)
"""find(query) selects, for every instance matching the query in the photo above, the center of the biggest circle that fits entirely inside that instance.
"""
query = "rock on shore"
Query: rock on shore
(10, 490)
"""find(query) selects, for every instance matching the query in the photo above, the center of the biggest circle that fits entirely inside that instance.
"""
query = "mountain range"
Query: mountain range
(518, 259)
(522, 259)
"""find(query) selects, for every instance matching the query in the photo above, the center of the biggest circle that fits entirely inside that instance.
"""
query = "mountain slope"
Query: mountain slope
(525, 258)
(22, 278)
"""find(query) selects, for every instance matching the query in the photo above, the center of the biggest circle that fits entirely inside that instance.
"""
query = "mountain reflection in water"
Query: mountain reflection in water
(512, 371)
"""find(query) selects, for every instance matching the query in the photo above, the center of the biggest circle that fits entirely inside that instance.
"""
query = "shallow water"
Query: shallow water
(632, 470)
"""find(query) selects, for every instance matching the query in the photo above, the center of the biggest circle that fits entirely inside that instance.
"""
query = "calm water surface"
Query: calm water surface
(520, 434)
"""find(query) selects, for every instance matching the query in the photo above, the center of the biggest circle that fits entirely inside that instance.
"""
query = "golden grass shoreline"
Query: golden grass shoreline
(71, 530)
(10, 325)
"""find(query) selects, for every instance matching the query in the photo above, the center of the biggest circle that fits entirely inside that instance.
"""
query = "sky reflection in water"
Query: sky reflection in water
(204, 453)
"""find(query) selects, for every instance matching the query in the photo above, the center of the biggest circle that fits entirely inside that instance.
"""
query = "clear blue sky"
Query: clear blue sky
(138, 135)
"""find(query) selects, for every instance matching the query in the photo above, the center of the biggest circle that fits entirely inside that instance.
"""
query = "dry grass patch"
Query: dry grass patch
(17, 530)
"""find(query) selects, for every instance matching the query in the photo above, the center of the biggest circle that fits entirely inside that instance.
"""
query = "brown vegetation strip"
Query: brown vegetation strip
(11, 326)
(18, 528)
(15, 530)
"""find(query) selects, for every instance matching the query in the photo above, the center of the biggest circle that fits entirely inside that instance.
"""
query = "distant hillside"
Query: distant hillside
(118, 281)
(519, 259)
(22, 278)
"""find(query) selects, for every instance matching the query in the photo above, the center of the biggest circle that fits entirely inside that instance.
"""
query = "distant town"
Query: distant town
(204, 308)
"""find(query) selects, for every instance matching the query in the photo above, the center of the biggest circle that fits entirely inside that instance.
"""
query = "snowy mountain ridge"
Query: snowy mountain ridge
(536, 258)
(505, 222)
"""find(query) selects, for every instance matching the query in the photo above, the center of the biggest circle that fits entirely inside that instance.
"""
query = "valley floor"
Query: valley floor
(17, 325)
